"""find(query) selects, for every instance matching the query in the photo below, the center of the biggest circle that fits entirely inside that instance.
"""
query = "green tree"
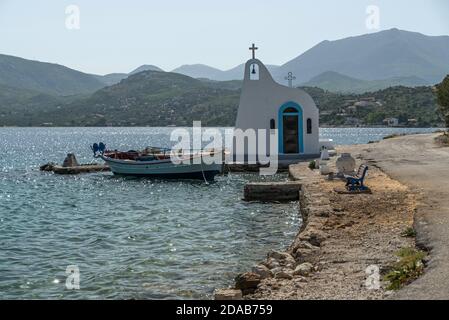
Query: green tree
(375, 117)
(443, 99)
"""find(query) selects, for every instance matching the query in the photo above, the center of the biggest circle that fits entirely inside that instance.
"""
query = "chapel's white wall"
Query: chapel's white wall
(261, 99)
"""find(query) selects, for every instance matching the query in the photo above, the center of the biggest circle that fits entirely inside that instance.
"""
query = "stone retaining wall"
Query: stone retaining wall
(298, 260)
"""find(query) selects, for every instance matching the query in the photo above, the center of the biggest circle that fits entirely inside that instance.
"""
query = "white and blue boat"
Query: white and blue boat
(157, 163)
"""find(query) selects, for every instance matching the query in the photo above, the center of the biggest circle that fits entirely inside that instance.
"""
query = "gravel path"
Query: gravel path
(344, 235)
(419, 163)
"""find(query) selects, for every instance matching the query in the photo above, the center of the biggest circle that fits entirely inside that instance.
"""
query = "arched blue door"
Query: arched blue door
(290, 128)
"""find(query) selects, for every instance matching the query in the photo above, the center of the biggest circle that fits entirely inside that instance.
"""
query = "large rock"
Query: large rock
(70, 161)
(304, 251)
(303, 269)
(228, 294)
(321, 211)
(284, 258)
(306, 255)
(276, 270)
(283, 274)
(313, 236)
(247, 282)
(262, 271)
(272, 263)
(306, 245)
(278, 255)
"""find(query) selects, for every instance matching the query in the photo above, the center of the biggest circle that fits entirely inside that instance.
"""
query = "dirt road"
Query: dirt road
(419, 163)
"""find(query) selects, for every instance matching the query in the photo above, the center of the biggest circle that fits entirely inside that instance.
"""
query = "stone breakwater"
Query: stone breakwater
(294, 264)
(341, 236)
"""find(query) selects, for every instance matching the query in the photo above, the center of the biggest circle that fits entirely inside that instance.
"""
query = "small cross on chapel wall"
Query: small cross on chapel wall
(290, 77)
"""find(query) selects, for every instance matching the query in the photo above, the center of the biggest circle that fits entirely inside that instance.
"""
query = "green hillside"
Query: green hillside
(154, 98)
(45, 77)
(146, 99)
(403, 103)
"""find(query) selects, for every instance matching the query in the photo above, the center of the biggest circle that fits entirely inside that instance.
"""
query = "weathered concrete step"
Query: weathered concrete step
(272, 191)
(241, 167)
(301, 171)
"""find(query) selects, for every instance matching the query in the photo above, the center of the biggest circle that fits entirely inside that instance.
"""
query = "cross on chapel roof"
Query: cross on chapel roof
(253, 49)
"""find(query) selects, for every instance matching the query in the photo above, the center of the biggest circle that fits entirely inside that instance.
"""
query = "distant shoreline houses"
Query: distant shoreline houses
(391, 122)
(352, 109)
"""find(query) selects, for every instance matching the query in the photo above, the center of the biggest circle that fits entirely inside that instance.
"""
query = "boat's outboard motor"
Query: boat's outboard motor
(102, 147)
(98, 147)
(95, 148)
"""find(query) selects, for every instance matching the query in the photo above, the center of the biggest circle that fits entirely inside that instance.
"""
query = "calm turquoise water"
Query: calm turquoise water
(343, 136)
(130, 238)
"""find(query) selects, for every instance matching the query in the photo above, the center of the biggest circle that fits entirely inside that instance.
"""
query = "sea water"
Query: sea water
(130, 238)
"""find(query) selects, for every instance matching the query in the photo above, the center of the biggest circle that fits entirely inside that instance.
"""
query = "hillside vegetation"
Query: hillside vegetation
(404, 103)
(148, 98)
(152, 98)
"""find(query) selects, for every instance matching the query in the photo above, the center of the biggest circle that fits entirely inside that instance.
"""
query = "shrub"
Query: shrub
(443, 139)
(312, 165)
(391, 136)
(443, 99)
(409, 233)
(408, 268)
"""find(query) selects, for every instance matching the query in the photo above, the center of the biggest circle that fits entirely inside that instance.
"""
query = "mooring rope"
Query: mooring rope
(202, 169)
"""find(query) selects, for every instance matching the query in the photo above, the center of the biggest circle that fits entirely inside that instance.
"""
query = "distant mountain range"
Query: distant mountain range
(381, 56)
(388, 64)
(356, 64)
(376, 56)
(336, 82)
(206, 72)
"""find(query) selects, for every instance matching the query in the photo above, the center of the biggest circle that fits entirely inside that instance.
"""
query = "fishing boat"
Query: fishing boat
(161, 163)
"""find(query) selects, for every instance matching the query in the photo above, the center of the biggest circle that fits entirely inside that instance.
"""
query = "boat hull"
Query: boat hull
(164, 169)
(208, 175)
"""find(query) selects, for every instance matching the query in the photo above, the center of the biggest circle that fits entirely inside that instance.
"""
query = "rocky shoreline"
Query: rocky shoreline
(343, 238)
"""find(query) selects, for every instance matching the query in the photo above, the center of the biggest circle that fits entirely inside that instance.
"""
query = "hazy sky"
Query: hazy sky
(118, 36)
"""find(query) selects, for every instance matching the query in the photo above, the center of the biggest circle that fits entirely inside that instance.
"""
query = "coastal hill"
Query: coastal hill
(145, 67)
(45, 77)
(113, 78)
(412, 107)
(153, 98)
(55, 79)
(148, 98)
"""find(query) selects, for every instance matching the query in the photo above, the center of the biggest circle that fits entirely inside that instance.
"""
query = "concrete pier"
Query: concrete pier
(83, 168)
(71, 166)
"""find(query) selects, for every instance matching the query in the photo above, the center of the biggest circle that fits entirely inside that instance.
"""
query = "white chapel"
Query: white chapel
(265, 104)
